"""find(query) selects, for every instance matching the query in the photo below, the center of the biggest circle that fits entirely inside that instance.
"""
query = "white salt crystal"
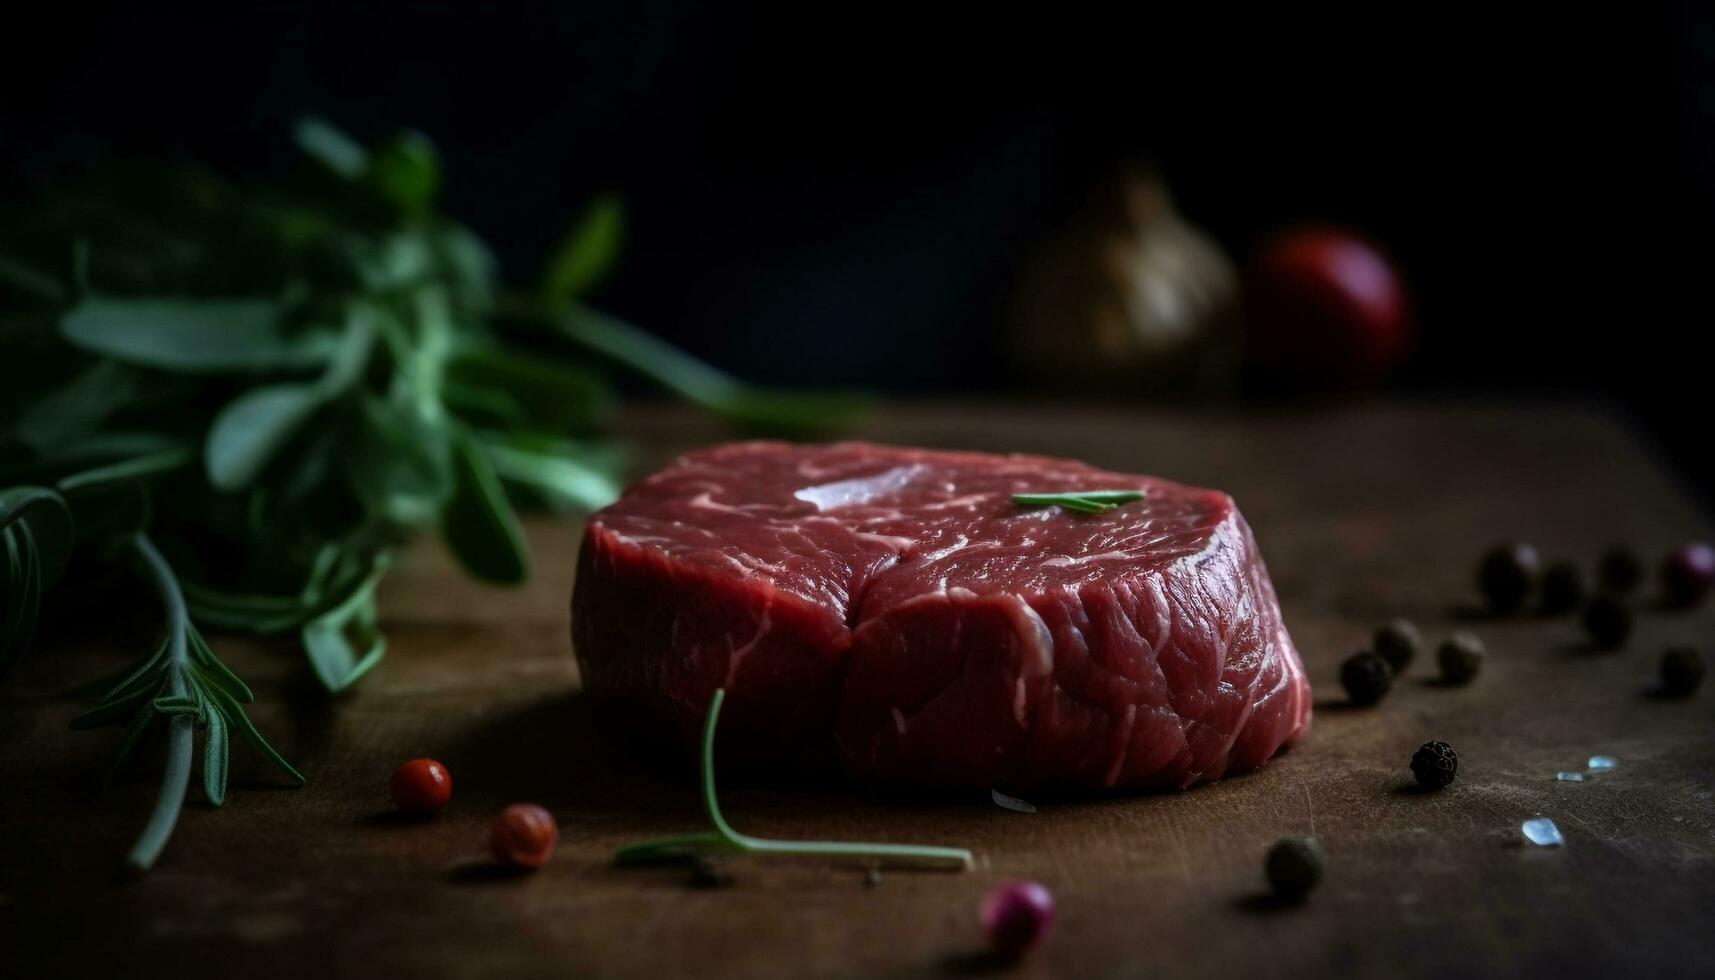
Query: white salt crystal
(1542, 832)
(1569, 777)
(1602, 763)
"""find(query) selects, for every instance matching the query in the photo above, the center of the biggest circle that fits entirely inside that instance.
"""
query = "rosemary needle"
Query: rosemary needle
(1081, 501)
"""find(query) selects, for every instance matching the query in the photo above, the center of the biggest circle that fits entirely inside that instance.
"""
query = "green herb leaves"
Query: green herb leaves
(248, 432)
(1081, 501)
(193, 335)
(325, 144)
(308, 374)
(587, 253)
(253, 428)
(478, 523)
(328, 638)
(407, 172)
(724, 839)
(703, 385)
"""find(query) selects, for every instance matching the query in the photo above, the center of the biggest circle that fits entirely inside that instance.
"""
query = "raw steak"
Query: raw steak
(892, 608)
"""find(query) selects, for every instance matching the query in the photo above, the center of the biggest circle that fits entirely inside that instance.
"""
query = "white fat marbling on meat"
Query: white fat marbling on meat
(848, 493)
(1064, 561)
(738, 654)
(896, 542)
(959, 545)
(967, 502)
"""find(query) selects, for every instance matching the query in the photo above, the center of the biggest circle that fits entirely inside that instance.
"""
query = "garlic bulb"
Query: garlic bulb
(1129, 298)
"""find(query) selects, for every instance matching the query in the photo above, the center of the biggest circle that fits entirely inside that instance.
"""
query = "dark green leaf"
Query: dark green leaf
(398, 461)
(714, 390)
(478, 523)
(331, 148)
(96, 450)
(238, 720)
(146, 673)
(75, 410)
(115, 710)
(554, 397)
(214, 758)
(263, 614)
(211, 671)
(467, 263)
(564, 478)
(193, 335)
(251, 430)
(403, 261)
(137, 468)
(336, 663)
(587, 252)
(30, 281)
(479, 405)
(176, 704)
(407, 171)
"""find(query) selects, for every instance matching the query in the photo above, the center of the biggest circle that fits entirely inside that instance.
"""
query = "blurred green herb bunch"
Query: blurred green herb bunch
(254, 396)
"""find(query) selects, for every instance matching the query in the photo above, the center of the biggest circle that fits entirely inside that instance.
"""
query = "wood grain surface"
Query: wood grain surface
(1362, 514)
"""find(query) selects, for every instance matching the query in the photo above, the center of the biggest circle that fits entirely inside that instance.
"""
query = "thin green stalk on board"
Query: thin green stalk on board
(725, 840)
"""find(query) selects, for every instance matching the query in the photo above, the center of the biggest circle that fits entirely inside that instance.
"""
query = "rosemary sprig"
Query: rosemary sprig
(1082, 501)
(185, 684)
(280, 385)
(725, 840)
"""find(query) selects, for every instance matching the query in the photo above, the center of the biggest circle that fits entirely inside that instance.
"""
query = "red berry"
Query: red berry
(421, 788)
(1017, 916)
(523, 836)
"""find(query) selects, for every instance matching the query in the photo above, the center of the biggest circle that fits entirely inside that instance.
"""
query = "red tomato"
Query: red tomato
(421, 787)
(1325, 306)
(523, 836)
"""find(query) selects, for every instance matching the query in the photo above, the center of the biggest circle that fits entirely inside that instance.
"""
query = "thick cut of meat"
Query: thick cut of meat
(894, 609)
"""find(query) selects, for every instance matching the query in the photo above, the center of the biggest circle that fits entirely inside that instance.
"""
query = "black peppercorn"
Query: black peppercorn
(1294, 866)
(1366, 677)
(1619, 570)
(706, 872)
(1507, 576)
(1562, 588)
(1434, 764)
(1608, 620)
(1397, 641)
(1460, 657)
(1681, 670)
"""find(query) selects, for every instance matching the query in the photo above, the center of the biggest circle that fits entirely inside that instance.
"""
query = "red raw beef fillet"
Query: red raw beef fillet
(894, 609)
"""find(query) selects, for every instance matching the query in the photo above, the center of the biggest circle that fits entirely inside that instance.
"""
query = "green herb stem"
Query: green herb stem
(181, 728)
(724, 839)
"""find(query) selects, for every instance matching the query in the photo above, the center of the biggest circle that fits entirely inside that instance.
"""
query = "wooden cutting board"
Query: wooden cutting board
(1362, 514)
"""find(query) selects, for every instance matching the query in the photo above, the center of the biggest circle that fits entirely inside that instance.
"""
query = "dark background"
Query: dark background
(848, 197)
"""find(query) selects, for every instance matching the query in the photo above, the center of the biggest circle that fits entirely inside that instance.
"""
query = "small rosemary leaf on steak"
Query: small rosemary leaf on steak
(1082, 501)
(1013, 803)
